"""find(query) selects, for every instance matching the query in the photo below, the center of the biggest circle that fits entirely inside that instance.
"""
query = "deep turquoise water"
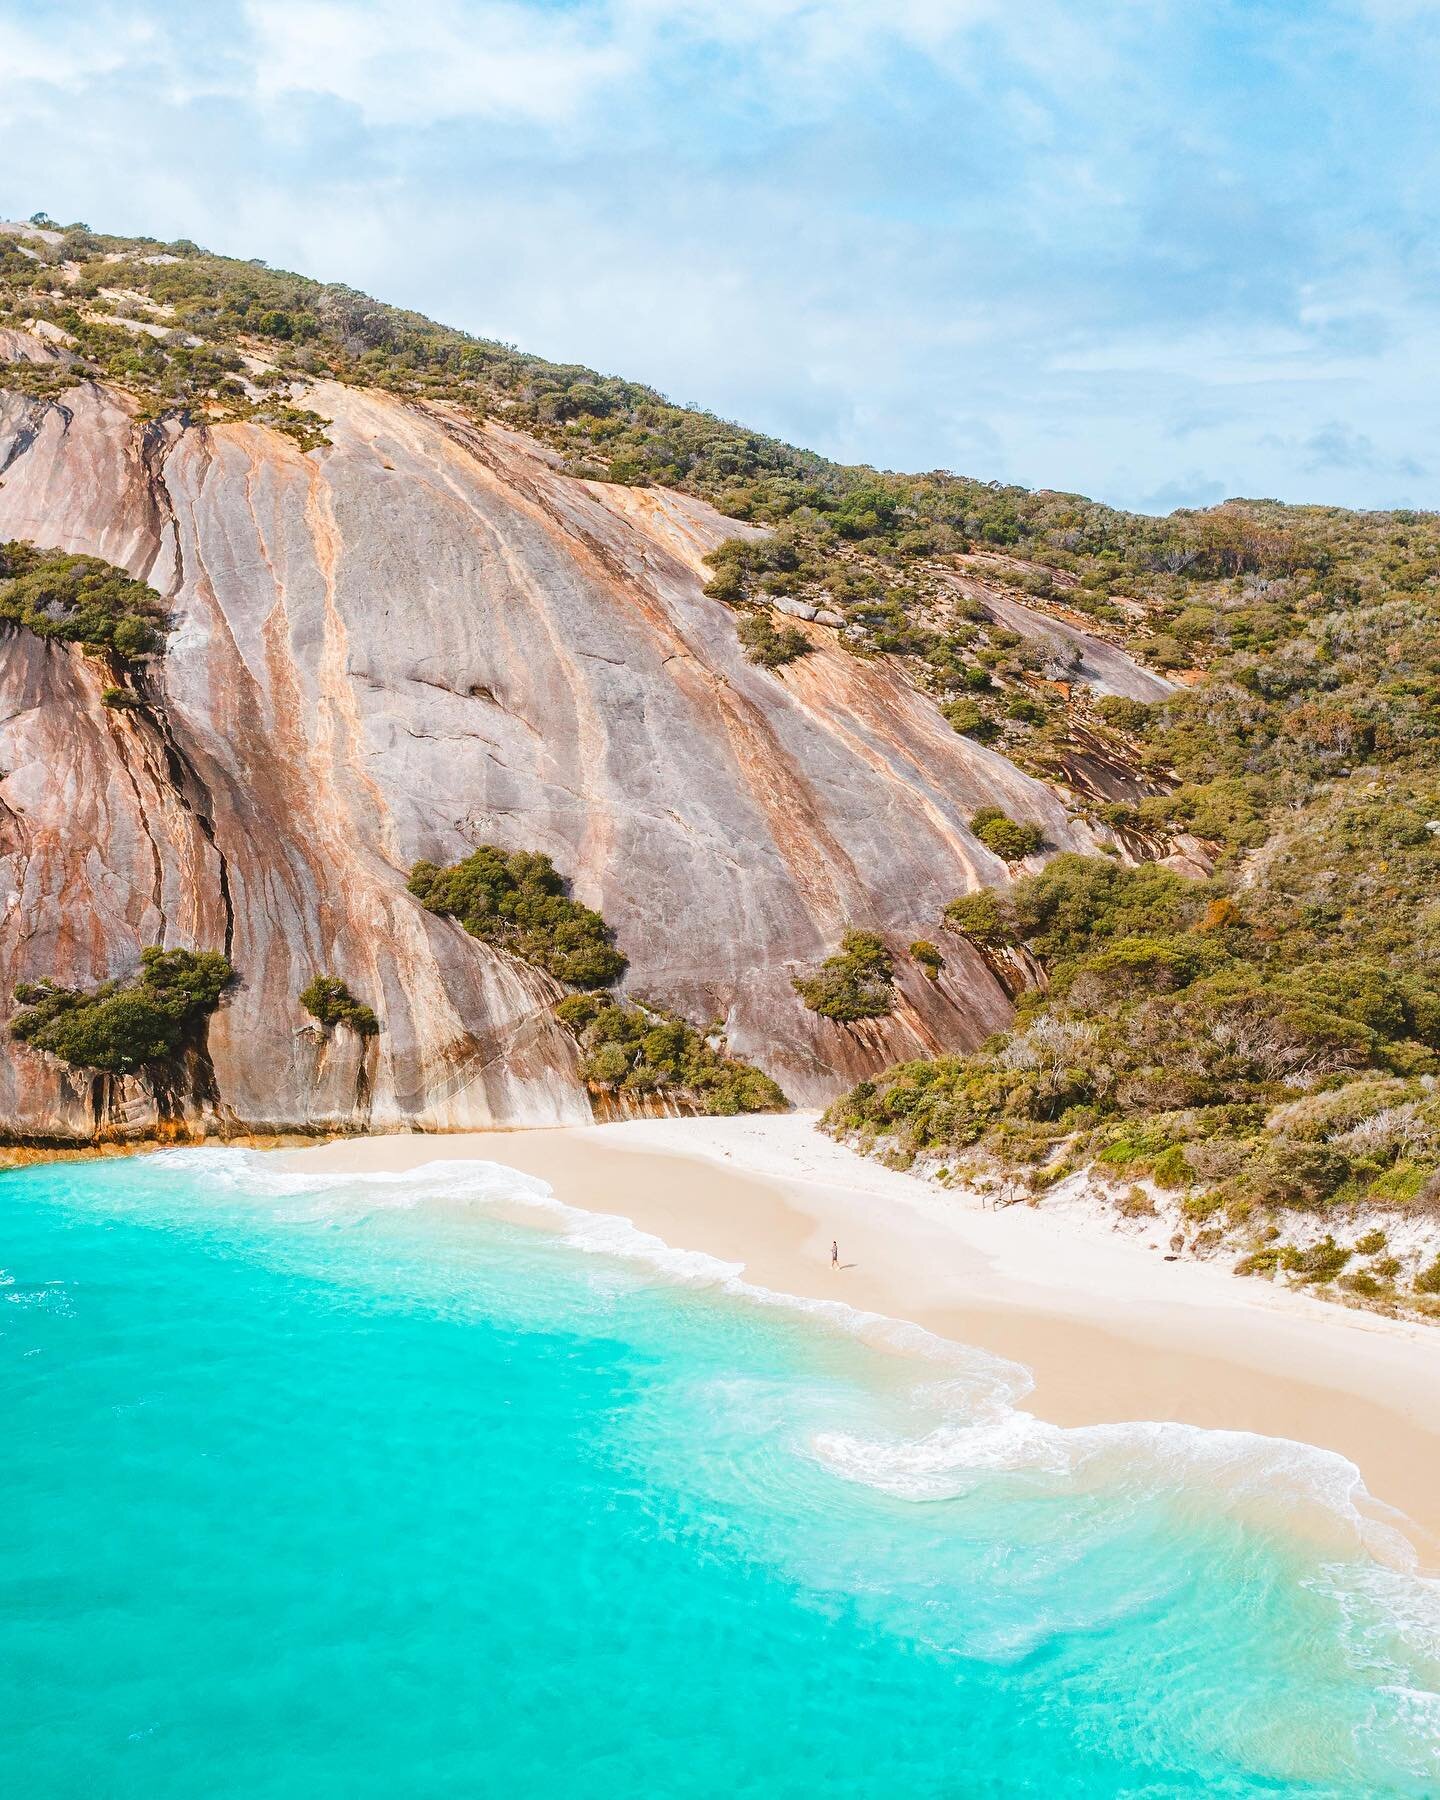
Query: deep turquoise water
(355, 1488)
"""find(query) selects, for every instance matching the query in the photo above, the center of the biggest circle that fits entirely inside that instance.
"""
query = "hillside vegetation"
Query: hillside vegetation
(81, 600)
(1262, 1048)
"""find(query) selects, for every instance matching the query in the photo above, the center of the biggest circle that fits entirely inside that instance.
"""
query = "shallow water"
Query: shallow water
(355, 1486)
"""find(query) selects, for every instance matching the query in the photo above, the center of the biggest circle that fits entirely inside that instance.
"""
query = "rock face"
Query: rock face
(422, 638)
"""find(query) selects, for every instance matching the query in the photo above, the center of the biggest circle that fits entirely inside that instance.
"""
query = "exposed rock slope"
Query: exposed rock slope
(417, 639)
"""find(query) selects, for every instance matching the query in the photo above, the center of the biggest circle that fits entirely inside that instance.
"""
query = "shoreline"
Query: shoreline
(1109, 1334)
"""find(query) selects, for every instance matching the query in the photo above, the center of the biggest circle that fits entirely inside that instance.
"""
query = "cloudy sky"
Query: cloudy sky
(1158, 251)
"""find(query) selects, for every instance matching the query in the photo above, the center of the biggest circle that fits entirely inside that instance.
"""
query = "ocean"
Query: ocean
(362, 1485)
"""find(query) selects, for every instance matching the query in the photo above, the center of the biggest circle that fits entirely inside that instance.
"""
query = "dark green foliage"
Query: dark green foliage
(986, 918)
(81, 600)
(856, 983)
(769, 645)
(517, 901)
(928, 956)
(966, 717)
(636, 1050)
(331, 1002)
(1008, 838)
(1318, 1262)
(124, 1026)
(1076, 903)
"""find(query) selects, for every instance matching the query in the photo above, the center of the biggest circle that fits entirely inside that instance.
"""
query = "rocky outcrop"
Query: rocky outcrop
(419, 638)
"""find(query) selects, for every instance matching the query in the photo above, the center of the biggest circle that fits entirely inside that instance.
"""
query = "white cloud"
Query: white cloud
(399, 62)
(1036, 245)
(69, 53)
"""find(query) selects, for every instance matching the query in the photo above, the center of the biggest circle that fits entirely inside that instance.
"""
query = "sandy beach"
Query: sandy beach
(1109, 1330)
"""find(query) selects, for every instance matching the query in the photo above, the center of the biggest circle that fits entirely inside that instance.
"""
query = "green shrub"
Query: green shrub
(1007, 838)
(637, 1050)
(928, 956)
(856, 983)
(985, 918)
(1171, 1170)
(1299, 1175)
(769, 645)
(517, 902)
(1129, 716)
(81, 600)
(331, 1002)
(1398, 1184)
(1428, 1280)
(124, 1026)
(1319, 1262)
(966, 717)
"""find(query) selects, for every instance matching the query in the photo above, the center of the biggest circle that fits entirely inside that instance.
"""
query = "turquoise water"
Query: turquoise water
(358, 1487)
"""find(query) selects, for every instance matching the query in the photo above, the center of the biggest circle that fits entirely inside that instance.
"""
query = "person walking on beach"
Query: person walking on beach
(834, 1253)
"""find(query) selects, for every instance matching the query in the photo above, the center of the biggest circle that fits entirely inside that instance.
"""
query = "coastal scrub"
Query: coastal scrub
(517, 901)
(121, 1027)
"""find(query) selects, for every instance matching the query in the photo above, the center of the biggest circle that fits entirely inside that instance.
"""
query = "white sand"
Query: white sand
(1110, 1331)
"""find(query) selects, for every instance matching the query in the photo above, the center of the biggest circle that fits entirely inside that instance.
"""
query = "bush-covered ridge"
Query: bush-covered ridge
(129, 1026)
(1316, 625)
(1267, 1040)
(638, 1050)
(1314, 629)
(80, 600)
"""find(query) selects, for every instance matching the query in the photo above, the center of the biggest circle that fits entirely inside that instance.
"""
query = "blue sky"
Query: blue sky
(1159, 253)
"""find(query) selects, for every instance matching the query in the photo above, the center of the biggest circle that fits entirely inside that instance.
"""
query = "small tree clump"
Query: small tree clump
(769, 645)
(331, 1002)
(120, 1027)
(1010, 839)
(928, 956)
(985, 918)
(966, 717)
(856, 983)
(638, 1050)
(80, 600)
(517, 901)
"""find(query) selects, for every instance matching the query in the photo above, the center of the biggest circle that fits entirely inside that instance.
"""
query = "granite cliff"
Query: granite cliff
(391, 648)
